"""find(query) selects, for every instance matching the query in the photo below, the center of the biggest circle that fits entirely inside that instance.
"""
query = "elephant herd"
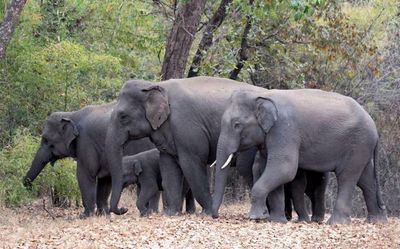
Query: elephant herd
(164, 136)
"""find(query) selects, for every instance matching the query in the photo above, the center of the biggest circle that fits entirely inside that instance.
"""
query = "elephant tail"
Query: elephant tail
(378, 189)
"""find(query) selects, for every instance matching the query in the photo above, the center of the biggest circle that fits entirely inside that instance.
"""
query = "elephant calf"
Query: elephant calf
(143, 170)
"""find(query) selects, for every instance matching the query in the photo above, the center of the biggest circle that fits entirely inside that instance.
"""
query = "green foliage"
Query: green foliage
(15, 161)
(61, 76)
(60, 19)
(2, 9)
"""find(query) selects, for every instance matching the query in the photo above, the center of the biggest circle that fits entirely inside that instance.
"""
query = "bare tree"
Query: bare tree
(7, 27)
(181, 38)
(207, 39)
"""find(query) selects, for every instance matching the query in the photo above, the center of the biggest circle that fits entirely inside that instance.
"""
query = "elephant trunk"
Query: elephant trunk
(224, 156)
(43, 156)
(114, 152)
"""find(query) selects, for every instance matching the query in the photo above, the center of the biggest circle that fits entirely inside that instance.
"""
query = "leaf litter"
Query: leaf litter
(33, 227)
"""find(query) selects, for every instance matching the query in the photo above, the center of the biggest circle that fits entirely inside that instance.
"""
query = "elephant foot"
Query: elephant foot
(145, 213)
(288, 216)
(304, 219)
(337, 219)
(207, 212)
(102, 212)
(119, 211)
(377, 218)
(84, 215)
(277, 219)
(317, 219)
(153, 211)
(171, 212)
(191, 210)
(258, 213)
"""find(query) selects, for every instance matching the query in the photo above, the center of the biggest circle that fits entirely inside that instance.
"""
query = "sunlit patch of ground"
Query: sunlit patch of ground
(33, 227)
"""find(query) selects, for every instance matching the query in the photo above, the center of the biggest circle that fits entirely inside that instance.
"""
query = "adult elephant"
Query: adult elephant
(308, 129)
(182, 117)
(81, 135)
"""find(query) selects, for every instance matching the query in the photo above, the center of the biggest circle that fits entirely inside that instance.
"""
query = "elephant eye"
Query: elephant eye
(123, 117)
(237, 125)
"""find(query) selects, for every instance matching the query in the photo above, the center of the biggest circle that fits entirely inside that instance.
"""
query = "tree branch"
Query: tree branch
(207, 39)
(243, 51)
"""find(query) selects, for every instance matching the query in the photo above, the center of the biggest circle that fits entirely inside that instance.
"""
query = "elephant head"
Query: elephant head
(58, 141)
(141, 108)
(244, 124)
(131, 169)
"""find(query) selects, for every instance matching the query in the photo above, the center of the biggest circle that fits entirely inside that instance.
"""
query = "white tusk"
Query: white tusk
(213, 164)
(227, 161)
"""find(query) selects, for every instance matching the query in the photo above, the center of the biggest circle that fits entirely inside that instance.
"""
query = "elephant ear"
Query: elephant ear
(157, 106)
(69, 132)
(138, 167)
(266, 113)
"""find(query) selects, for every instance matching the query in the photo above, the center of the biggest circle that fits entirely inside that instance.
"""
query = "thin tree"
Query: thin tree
(7, 27)
(181, 38)
(244, 47)
(207, 39)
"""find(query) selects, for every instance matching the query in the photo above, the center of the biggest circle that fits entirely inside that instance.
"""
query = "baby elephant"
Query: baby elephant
(143, 170)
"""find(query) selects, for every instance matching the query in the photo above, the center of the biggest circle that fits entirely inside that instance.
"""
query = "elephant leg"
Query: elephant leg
(102, 194)
(187, 195)
(154, 202)
(369, 186)
(190, 203)
(277, 205)
(87, 186)
(260, 161)
(196, 175)
(280, 169)
(147, 201)
(298, 188)
(172, 184)
(164, 201)
(347, 177)
(342, 210)
(316, 188)
(288, 202)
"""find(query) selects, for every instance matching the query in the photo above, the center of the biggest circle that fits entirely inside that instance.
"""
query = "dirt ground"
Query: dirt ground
(33, 227)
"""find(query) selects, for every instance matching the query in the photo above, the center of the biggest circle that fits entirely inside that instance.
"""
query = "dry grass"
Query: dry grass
(33, 227)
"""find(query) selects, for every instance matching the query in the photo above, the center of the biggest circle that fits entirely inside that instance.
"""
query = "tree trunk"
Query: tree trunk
(7, 27)
(181, 38)
(207, 39)
(244, 46)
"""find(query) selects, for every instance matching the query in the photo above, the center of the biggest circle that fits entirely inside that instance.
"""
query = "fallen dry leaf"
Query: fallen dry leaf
(32, 227)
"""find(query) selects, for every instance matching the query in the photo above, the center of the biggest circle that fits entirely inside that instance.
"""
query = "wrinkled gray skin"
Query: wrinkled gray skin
(182, 118)
(307, 129)
(311, 183)
(81, 135)
(143, 169)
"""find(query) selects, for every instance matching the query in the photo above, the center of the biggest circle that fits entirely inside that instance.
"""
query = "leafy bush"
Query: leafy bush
(62, 76)
(15, 161)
